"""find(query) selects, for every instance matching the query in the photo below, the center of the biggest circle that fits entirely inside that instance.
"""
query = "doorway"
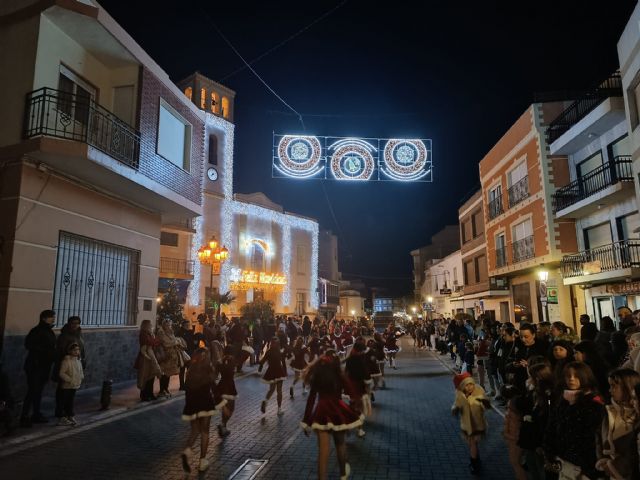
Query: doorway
(603, 307)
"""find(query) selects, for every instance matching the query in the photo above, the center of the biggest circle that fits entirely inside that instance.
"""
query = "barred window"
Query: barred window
(98, 281)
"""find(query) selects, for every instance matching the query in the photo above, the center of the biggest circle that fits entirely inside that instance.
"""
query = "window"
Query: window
(301, 260)
(467, 272)
(257, 258)
(517, 173)
(300, 303)
(590, 164)
(522, 230)
(495, 202)
(466, 231)
(213, 150)
(169, 239)
(597, 236)
(481, 268)
(225, 107)
(619, 147)
(174, 136)
(455, 275)
(628, 226)
(75, 95)
(476, 268)
(203, 99)
(189, 93)
(636, 96)
(476, 225)
(215, 103)
(523, 242)
(95, 280)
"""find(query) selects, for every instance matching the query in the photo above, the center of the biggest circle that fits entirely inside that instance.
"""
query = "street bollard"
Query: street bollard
(105, 395)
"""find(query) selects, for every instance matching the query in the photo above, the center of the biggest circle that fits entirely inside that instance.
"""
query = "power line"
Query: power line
(285, 41)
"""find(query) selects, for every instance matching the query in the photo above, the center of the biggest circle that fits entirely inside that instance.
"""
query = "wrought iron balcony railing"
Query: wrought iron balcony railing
(176, 266)
(523, 249)
(495, 207)
(75, 117)
(615, 256)
(501, 257)
(618, 170)
(518, 191)
(611, 87)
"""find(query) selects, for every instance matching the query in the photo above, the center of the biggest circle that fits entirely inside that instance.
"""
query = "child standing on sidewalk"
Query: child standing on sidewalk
(470, 403)
(71, 376)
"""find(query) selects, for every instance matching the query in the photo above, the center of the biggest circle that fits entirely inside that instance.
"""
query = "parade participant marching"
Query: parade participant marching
(357, 375)
(391, 348)
(373, 367)
(327, 414)
(336, 338)
(226, 388)
(470, 402)
(381, 358)
(298, 363)
(275, 374)
(314, 348)
(200, 406)
(347, 341)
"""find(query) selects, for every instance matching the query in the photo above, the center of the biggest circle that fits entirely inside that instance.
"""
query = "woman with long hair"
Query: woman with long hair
(299, 363)
(200, 406)
(327, 414)
(226, 388)
(146, 362)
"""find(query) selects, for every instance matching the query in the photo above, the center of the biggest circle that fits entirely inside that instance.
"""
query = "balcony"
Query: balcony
(578, 198)
(501, 257)
(63, 115)
(620, 260)
(495, 207)
(518, 191)
(611, 87)
(523, 249)
(176, 268)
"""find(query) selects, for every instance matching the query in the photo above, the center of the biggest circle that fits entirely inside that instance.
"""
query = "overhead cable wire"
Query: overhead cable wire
(285, 41)
(228, 42)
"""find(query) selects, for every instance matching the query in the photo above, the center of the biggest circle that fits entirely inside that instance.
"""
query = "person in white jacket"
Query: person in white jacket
(71, 376)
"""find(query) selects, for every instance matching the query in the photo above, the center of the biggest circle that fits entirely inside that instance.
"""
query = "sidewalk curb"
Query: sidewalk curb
(14, 444)
(493, 407)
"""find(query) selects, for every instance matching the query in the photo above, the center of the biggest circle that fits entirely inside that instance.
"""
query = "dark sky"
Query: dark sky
(459, 73)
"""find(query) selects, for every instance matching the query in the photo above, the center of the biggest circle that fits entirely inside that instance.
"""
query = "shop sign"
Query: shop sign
(624, 288)
(445, 291)
(552, 295)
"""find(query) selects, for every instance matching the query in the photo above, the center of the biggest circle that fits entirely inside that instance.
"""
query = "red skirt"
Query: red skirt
(331, 413)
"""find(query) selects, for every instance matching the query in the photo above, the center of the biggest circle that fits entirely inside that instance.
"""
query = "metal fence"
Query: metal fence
(176, 266)
(495, 207)
(523, 249)
(64, 115)
(623, 254)
(617, 170)
(518, 191)
(95, 280)
(501, 257)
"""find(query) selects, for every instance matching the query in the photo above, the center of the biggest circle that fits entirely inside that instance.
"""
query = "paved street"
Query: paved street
(411, 435)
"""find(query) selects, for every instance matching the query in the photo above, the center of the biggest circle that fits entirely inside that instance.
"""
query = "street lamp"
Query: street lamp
(214, 255)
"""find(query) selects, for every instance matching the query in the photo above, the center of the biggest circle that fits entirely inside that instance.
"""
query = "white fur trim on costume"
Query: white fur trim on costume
(376, 374)
(335, 428)
(229, 397)
(297, 370)
(275, 380)
(248, 349)
(204, 413)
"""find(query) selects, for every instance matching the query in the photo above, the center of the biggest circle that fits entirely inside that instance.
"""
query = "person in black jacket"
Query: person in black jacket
(41, 346)
(188, 335)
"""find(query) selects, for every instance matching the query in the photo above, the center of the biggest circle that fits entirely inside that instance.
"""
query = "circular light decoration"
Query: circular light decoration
(352, 159)
(299, 156)
(405, 159)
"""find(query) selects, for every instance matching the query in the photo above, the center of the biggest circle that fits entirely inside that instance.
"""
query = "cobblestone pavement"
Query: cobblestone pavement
(410, 435)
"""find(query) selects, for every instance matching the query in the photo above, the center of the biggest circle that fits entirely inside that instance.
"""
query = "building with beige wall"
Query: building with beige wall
(481, 294)
(518, 177)
(100, 153)
(443, 289)
(591, 136)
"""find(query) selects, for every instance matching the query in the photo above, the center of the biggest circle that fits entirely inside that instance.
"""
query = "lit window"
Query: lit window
(225, 107)
(215, 103)
(189, 93)
(203, 98)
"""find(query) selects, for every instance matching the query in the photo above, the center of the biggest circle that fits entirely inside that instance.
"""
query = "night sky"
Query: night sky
(460, 75)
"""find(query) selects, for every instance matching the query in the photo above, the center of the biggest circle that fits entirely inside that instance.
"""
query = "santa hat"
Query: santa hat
(462, 379)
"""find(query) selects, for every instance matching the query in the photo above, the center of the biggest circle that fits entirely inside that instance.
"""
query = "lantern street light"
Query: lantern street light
(212, 254)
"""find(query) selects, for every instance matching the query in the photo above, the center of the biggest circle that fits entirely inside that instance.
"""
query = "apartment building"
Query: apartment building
(629, 59)
(442, 289)
(592, 135)
(524, 240)
(99, 153)
(481, 294)
(442, 244)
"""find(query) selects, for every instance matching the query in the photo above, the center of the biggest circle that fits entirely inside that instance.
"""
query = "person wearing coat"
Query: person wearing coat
(41, 347)
(71, 333)
(171, 359)
(146, 361)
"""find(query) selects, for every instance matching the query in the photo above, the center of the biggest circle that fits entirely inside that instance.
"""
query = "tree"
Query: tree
(215, 302)
(170, 307)
(262, 309)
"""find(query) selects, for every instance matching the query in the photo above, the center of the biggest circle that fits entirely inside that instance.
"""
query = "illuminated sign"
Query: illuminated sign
(248, 279)
(352, 159)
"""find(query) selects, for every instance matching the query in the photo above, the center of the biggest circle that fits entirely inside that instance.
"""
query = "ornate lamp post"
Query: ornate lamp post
(212, 254)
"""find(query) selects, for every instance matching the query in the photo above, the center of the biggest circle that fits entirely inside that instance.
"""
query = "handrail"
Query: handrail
(610, 87)
(501, 257)
(619, 169)
(518, 191)
(495, 207)
(617, 255)
(178, 266)
(61, 114)
(523, 249)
